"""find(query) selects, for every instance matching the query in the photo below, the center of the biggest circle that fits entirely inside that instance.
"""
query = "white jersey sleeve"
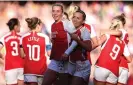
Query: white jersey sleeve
(85, 34)
(123, 33)
(68, 26)
(47, 41)
(93, 33)
(71, 48)
(107, 36)
(126, 52)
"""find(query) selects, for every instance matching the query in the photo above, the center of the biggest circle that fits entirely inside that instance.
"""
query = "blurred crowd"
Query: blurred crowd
(98, 14)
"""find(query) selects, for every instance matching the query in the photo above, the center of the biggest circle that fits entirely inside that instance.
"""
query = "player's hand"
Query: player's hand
(64, 57)
(74, 37)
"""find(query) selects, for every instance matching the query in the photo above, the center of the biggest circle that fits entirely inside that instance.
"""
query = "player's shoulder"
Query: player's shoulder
(123, 31)
(26, 34)
(6, 35)
(18, 34)
(88, 26)
(65, 21)
(41, 35)
(109, 36)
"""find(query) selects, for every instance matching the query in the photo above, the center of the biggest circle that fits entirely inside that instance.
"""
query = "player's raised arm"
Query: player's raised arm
(70, 29)
(116, 33)
(102, 39)
(117, 23)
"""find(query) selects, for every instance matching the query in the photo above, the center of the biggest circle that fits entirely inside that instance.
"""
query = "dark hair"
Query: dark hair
(32, 22)
(84, 15)
(66, 15)
(60, 5)
(121, 18)
(12, 22)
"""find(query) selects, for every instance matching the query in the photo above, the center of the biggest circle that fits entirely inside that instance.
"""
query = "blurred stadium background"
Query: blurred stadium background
(99, 14)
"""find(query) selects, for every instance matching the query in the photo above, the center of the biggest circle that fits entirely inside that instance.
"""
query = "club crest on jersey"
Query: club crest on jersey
(33, 38)
(54, 34)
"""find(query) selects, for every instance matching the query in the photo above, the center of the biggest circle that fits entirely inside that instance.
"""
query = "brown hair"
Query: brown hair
(83, 13)
(121, 18)
(32, 22)
(60, 5)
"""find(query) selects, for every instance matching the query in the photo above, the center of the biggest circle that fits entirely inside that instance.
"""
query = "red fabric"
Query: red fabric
(12, 46)
(78, 53)
(108, 59)
(130, 80)
(59, 41)
(123, 62)
(35, 49)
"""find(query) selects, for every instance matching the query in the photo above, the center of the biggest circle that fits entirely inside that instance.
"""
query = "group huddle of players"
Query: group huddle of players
(70, 63)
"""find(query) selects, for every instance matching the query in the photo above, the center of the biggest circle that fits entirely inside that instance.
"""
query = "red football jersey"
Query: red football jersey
(124, 37)
(34, 46)
(80, 53)
(110, 54)
(60, 38)
(11, 41)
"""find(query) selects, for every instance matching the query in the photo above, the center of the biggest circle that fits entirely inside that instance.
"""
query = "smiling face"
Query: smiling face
(77, 19)
(57, 13)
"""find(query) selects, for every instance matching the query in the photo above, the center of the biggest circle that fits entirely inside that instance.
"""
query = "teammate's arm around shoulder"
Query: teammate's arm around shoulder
(102, 39)
(126, 53)
(116, 33)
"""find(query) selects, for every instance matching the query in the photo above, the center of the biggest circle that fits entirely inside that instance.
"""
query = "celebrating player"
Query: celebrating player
(34, 47)
(119, 22)
(79, 54)
(108, 62)
(13, 61)
(60, 42)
